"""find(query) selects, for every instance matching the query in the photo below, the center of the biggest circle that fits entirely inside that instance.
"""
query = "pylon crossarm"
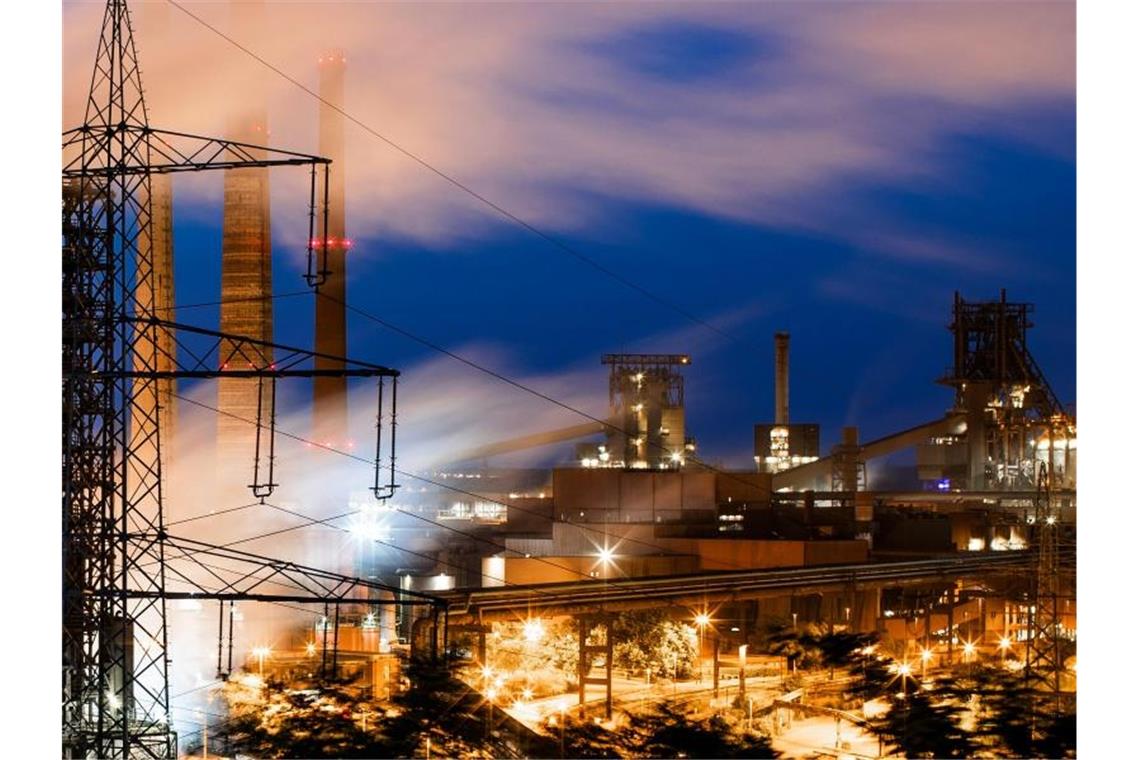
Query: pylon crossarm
(258, 570)
(170, 152)
(226, 355)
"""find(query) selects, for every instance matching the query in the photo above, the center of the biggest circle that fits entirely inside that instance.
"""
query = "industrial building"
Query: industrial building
(634, 520)
(636, 501)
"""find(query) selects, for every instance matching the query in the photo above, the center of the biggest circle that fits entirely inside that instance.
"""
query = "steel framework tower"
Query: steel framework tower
(114, 648)
(1043, 660)
(119, 563)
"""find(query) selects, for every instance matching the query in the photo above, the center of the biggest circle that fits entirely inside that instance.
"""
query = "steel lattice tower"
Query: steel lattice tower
(115, 696)
(119, 564)
(1043, 649)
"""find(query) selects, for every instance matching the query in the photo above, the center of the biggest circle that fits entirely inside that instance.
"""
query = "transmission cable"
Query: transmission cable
(532, 391)
(505, 213)
(224, 301)
(581, 526)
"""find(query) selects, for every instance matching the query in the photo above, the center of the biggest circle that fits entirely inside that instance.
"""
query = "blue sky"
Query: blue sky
(833, 169)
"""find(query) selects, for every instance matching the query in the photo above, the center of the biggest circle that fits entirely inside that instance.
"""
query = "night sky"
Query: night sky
(834, 170)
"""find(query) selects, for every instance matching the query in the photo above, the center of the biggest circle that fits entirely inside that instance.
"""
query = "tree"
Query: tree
(923, 725)
(583, 739)
(332, 720)
(841, 649)
(1013, 718)
(667, 732)
(325, 722)
(647, 640)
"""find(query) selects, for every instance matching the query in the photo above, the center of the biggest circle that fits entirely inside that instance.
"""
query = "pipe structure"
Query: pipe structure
(534, 440)
(782, 412)
(574, 597)
(805, 476)
(330, 394)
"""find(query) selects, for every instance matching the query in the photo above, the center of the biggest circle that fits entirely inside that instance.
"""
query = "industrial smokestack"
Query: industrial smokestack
(330, 394)
(247, 283)
(782, 339)
(155, 289)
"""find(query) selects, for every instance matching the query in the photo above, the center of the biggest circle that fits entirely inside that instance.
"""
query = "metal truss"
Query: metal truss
(117, 556)
(1043, 659)
(188, 561)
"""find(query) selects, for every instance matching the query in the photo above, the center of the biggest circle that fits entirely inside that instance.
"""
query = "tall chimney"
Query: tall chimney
(247, 283)
(330, 394)
(155, 290)
(782, 339)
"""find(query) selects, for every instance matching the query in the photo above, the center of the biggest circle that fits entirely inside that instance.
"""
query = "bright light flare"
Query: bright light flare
(261, 651)
(904, 669)
(533, 631)
(606, 554)
(926, 655)
(369, 525)
(310, 649)
(702, 619)
(1004, 643)
(968, 648)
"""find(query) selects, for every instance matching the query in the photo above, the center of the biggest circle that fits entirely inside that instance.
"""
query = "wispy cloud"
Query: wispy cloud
(744, 111)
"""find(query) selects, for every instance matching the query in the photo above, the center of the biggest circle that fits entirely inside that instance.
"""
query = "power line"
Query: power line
(224, 301)
(527, 389)
(499, 209)
(311, 521)
(214, 513)
(581, 526)
(507, 214)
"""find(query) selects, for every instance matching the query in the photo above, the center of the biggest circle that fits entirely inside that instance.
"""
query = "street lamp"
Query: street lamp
(562, 733)
(702, 620)
(743, 662)
(533, 631)
(904, 672)
(261, 653)
(926, 656)
(1004, 644)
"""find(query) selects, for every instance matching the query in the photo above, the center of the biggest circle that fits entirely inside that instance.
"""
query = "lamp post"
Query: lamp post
(968, 650)
(743, 662)
(702, 620)
(904, 671)
(260, 653)
(562, 733)
(925, 656)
